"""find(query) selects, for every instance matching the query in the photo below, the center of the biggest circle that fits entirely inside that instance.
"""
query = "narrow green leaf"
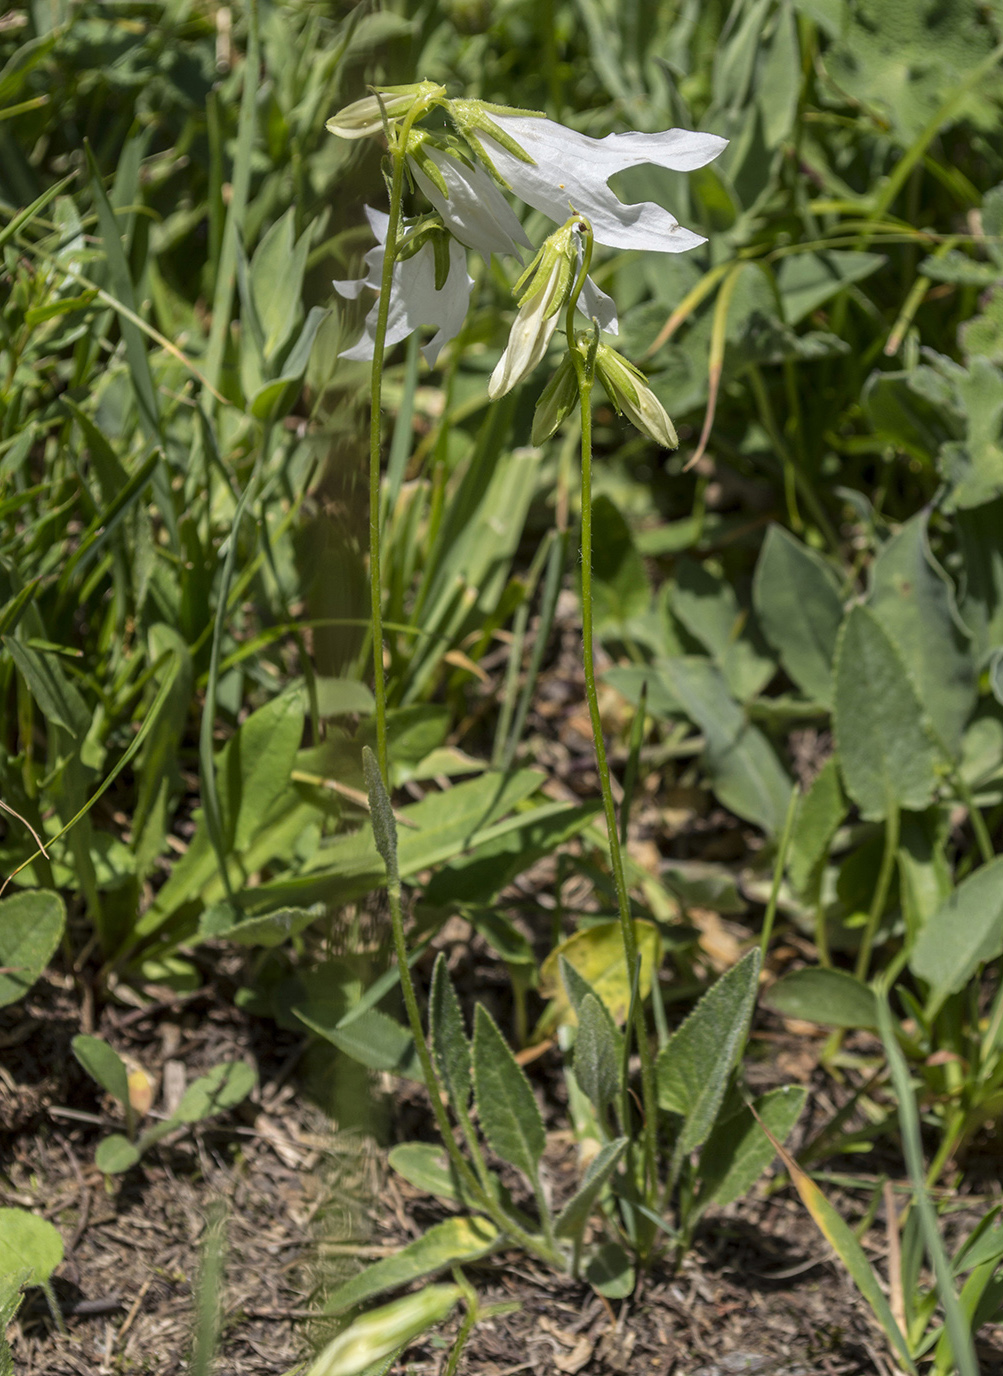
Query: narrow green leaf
(373, 1039)
(506, 1107)
(382, 816)
(451, 1243)
(116, 1154)
(820, 815)
(450, 1047)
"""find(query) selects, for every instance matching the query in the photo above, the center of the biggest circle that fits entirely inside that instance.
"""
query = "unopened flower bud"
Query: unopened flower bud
(365, 117)
(628, 390)
(384, 1331)
(557, 401)
(550, 277)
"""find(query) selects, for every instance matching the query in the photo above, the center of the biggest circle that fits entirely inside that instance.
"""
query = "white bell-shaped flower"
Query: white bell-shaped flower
(553, 169)
(469, 202)
(414, 298)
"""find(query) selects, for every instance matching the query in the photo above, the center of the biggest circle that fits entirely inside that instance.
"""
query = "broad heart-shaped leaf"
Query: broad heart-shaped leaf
(619, 578)
(450, 1047)
(964, 933)
(797, 601)
(29, 1246)
(912, 599)
(696, 1062)
(104, 1065)
(819, 816)
(886, 753)
(507, 1110)
(744, 768)
(373, 1039)
(738, 1151)
(452, 1243)
(223, 1087)
(831, 997)
(573, 1217)
(31, 926)
(597, 1058)
(597, 954)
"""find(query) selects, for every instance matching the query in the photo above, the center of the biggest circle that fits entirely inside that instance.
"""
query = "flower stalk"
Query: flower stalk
(585, 369)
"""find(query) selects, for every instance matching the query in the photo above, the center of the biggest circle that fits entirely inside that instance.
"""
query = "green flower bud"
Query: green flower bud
(365, 117)
(628, 390)
(541, 291)
(557, 400)
(384, 1331)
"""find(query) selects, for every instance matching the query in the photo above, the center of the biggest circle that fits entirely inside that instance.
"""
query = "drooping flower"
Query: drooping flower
(550, 278)
(555, 169)
(415, 297)
(628, 390)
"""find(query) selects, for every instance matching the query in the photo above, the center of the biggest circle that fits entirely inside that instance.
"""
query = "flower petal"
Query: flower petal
(414, 300)
(594, 302)
(571, 170)
(475, 211)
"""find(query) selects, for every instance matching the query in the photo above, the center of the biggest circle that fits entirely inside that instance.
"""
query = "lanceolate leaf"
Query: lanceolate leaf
(507, 1110)
(449, 1039)
(885, 750)
(695, 1064)
(834, 998)
(597, 1058)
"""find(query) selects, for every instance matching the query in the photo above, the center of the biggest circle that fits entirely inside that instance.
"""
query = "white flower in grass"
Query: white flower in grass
(553, 168)
(415, 299)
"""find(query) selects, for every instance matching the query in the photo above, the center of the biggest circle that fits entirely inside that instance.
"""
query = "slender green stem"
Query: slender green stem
(585, 371)
(880, 889)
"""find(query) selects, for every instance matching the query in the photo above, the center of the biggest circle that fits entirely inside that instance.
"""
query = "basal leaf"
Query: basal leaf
(506, 1107)
(912, 599)
(738, 1151)
(833, 998)
(886, 753)
(451, 1243)
(820, 815)
(223, 1087)
(597, 954)
(797, 599)
(597, 1054)
(964, 933)
(694, 1066)
(29, 1246)
(373, 1039)
(31, 926)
